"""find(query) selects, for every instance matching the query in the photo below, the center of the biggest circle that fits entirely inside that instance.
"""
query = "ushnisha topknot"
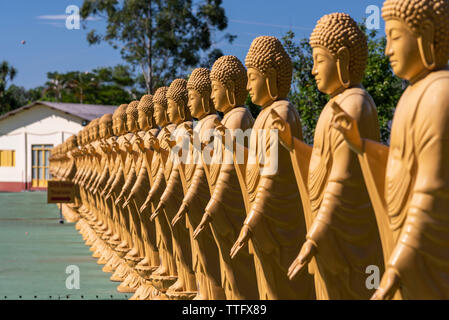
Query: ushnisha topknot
(199, 81)
(230, 68)
(337, 30)
(131, 110)
(267, 52)
(120, 112)
(178, 92)
(160, 97)
(415, 12)
(146, 104)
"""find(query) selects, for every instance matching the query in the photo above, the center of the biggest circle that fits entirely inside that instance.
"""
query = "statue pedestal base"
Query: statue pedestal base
(121, 273)
(132, 282)
(162, 283)
(181, 295)
(70, 215)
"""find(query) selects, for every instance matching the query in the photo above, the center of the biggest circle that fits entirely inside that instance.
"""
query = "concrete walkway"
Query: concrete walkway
(35, 251)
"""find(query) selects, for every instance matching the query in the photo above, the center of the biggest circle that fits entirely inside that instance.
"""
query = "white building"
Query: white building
(27, 135)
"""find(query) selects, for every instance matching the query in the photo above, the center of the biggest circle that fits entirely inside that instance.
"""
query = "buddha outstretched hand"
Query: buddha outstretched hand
(389, 284)
(306, 254)
(146, 203)
(347, 126)
(203, 224)
(245, 235)
(284, 130)
(157, 211)
(126, 203)
(181, 213)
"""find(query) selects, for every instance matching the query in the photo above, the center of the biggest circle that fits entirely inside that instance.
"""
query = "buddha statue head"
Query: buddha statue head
(177, 99)
(340, 53)
(199, 90)
(132, 117)
(62, 149)
(145, 111)
(269, 71)
(94, 129)
(119, 120)
(417, 36)
(72, 143)
(160, 107)
(106, 126)
(229, 81)
(86, 134)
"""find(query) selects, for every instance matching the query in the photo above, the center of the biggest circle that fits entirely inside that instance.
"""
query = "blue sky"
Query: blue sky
(51, 47)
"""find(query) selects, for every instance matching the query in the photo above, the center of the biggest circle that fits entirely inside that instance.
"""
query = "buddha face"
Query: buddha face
(325, 71)
(143, 120)
(219, 96)
(131, 124)
(119, 126)
(159, 115)
(258, 88)
(173, 111)
(195, 104)
(402, 49)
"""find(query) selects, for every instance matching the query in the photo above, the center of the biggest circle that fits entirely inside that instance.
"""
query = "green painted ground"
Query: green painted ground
(35, 251)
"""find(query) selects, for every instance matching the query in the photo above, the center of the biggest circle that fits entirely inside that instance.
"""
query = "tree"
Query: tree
(55, 85)
(163, 37)
(105, 85)
(7, 73)
(379, 81)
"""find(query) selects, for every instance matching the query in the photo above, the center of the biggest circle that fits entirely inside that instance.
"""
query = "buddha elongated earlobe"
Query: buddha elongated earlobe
(343, 67)
(426, 46)
(272, 86)
(230, 93)
(206, 105)
(182, 113)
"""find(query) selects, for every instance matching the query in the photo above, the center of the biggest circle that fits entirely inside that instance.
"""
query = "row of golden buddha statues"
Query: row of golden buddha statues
(170, 229)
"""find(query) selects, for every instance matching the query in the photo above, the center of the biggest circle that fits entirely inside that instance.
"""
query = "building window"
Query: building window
(7, 158)
(39, 165)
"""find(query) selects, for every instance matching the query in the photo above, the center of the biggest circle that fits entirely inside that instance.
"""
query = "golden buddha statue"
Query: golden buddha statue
(342, 230)
(171, 199)
(122, 146)
(407, 181)
(139, 192)
(120, 236)
(275, 224)
(196, 192)
(155, 163)
(225, 212)
(131, 163)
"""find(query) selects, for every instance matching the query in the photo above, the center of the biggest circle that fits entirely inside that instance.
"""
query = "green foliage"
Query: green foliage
(379, 81)
(109, 86)
(106, 86)
(7, 73)
(163, 37)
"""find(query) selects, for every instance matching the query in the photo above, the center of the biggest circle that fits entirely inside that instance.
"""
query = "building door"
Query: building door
(40, 154)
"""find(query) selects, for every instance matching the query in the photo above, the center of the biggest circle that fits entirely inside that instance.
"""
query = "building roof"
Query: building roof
(83, 111)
